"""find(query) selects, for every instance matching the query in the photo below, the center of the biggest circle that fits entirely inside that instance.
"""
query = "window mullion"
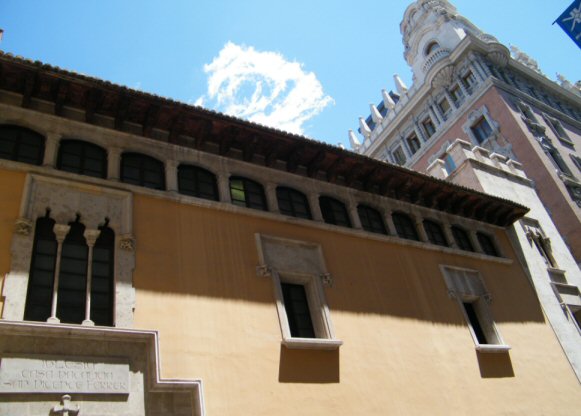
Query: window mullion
(61, 232)
(91, 237)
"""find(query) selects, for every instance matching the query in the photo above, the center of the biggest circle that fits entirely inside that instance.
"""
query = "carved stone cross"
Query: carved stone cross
(65, 408)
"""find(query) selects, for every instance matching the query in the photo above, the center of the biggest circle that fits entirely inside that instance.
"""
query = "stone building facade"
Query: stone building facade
(466, 84)
(162, 259)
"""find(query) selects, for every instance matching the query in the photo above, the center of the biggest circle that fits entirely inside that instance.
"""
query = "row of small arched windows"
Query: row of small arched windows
(80, 157)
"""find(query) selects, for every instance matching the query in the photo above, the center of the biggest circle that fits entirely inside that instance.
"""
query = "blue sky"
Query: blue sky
(309, 66)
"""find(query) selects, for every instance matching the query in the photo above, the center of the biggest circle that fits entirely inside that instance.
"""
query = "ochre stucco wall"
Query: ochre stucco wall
(407, 349)
(11, 186)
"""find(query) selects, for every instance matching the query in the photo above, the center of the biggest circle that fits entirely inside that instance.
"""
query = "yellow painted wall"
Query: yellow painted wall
(407, 349)
(11, 186)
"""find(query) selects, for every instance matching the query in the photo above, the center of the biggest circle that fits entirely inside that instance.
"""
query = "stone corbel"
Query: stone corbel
(263, 271)
(487, 298)
(452, 294)
(65, 408)
(23, 226)
(127, 242)
(326, 279)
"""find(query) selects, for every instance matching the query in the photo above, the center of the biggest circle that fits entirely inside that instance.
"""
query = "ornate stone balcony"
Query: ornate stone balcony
(434, 57)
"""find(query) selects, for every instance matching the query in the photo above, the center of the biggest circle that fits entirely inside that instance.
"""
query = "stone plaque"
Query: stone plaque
(58, 374)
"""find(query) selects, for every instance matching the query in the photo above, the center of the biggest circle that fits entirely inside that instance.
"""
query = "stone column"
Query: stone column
(271, 199)
(449, 236)
(435, 113)
(315, 207)
(453, 104)
(354, 214)
(224, 187)
(91, 237)
(61, 232)
(51, 150)
(420, 228)
(389, 222)
(114, 163)
(462, 87)
(474, 241)
(171, 176)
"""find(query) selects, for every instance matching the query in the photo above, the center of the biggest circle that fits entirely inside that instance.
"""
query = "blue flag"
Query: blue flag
(570, 22)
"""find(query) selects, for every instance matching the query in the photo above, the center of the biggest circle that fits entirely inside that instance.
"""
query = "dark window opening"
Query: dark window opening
(413, 143)
(462, 239)
(297, 310)
(247, 193)
(292, 202)
(399, 156)
(405, 226)
(474, 322)
(487, 244)
(371, 220)
(435, 233)
(429, 127)
(102, 280)
(334, 211)
(198, 182)
(481, 130)
(142, 170)
(41, 279)
(456, 94)
(444, 107)
(432, 47)
(21, 145)
(543, 250)
(84, 158)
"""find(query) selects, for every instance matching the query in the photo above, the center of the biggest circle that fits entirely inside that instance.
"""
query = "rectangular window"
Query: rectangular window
(297, 310)
(468, 289)
(413, 143)
(559, 131)
(445, 108)
(481, 130)
(399, 156)
(456, 94)
(469, 80)
(428, 127)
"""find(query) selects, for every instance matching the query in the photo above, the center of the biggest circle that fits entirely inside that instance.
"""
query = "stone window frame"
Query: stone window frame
(537, 237)
(398, 147)
(65, 198)
(298, 262)
(456, 94)
(467, 286)
(576, 160)
(557, 128)
(468, 80)
(474, 117)
(445, 113)
(417, 144)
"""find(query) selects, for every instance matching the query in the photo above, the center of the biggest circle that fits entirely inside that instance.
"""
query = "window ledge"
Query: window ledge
(493, 348)
(312, 343)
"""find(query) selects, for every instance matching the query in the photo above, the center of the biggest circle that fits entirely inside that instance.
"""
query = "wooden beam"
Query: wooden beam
(354, 174)
(249, 148)
(93, 101)
(271, 154)
(202, 133)
(150, 119)
(29, 85)
(60, 96)
(294, 158)
(315, 163)
(333, 170)
(123, 103)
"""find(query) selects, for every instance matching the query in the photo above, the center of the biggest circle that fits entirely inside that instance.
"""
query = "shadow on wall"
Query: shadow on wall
(495, 365)
(308, 366)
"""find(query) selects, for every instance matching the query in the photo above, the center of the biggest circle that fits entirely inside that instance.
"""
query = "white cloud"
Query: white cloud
(263, 87)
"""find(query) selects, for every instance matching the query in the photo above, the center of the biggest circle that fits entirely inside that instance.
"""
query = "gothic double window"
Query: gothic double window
(71, 274)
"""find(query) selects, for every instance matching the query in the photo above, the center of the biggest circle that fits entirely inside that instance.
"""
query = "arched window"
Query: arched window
(432, 47)
(71, 278)
(142, 170)
(197, 182)
(461, 237)
(102, 280)
(72, 284)
(292, 202)
(487, 244)
(435, 233)
(247, 193)
(21, 145)
(405, 226)
(83, 158)
(371, 219)
(334, 211)
(41, 279)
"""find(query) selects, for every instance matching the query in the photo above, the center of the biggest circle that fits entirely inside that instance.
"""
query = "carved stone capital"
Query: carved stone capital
(23, 226)
(91, 236)
(127, 242)
(61, 232)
